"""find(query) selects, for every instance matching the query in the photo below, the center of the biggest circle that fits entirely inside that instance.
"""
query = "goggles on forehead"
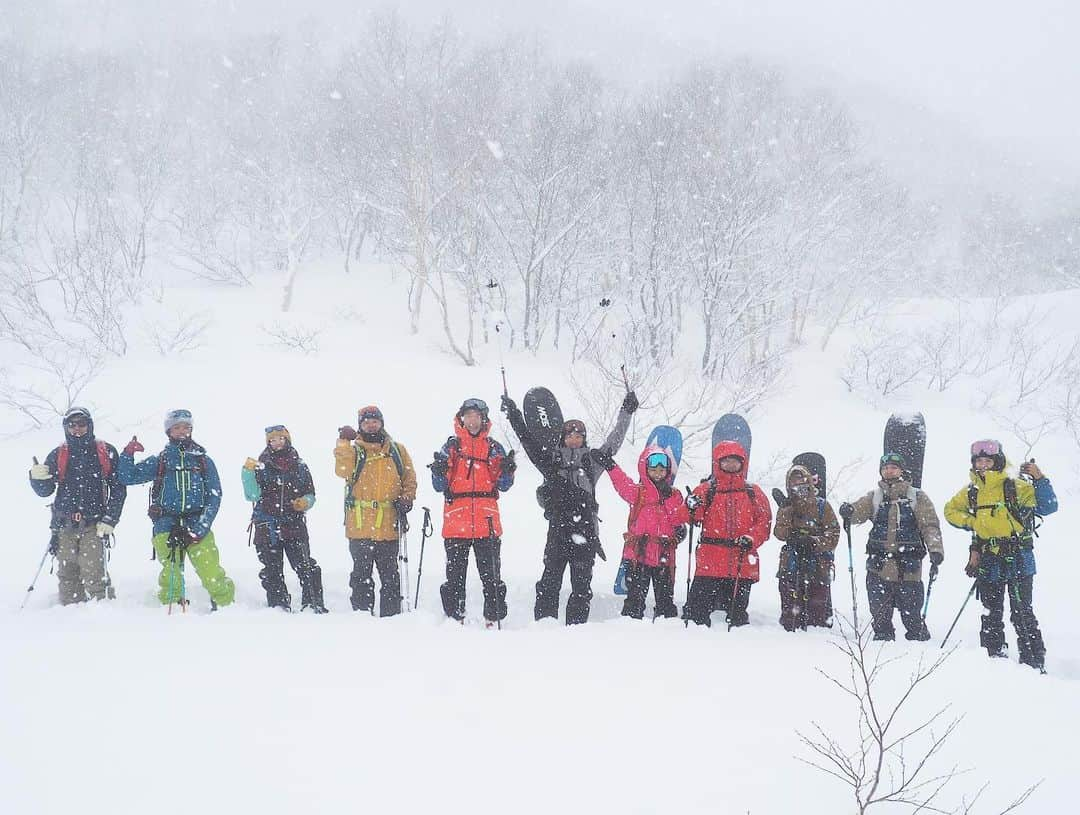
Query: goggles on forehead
(275, 428)
(657, 460)
(892, 458)
(474, 404)
(574, 426)
(986, 447)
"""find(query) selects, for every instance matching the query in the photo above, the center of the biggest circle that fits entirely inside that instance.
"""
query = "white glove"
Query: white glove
(40, 472)
(104, 529)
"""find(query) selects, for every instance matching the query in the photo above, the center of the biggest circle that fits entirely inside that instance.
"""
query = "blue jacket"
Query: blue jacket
(1046, 502)
(190, 487)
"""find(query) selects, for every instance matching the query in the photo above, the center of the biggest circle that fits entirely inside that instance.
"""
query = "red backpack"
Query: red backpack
(64, 456)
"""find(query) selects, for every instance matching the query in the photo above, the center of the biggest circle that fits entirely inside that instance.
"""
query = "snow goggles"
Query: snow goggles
(891, 458)
(275, 428)
(986, 447)
(478, 405)
(574, 426)
(657, 460)
(77, 421)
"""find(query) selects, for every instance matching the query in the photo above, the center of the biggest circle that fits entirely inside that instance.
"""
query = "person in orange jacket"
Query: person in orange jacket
(471, 470)
(735, 518)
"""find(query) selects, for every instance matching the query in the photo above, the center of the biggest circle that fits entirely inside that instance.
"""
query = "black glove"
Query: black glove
(54, 544)
(509, 463)
(603, 458)
(402, 505)
(680, 533)
(744, 542)
(630, 402)
(693, 502)
(937, 558)
(507, 405)
(440, 465)
(846, 511)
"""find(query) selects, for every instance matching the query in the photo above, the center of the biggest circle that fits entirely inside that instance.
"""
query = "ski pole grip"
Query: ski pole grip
(35, 460)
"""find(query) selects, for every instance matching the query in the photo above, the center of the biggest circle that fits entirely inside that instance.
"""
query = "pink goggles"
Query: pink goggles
(986, 447)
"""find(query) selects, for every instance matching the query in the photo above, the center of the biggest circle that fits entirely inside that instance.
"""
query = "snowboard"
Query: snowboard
(905, 433)
(732, 427)
(815, 463)
(543, 417)
(668, 439)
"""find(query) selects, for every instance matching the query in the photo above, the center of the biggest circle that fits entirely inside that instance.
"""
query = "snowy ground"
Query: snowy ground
(119, 707)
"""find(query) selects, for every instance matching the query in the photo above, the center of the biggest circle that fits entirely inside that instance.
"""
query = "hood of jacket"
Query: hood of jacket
(729, 481)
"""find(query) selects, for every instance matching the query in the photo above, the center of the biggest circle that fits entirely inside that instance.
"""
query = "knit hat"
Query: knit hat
(369, 412)
(178, 416)
(277, 431)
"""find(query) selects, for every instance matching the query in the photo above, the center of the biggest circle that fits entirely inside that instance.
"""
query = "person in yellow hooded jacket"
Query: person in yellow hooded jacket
(380, 487)
(1000, 513)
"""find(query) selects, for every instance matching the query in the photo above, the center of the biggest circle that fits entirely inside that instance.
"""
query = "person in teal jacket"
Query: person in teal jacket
(184, 500)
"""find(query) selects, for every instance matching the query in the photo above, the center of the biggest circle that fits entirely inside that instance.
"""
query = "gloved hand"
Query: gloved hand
(403, 506)
(508, 406)
(300, 504)
(440, 465)
(603, 458)
(1031, 469)
(630, 402)
(54, 544)
(251, 464)
(132, 447)
(40, 472)
(104, 529)
(937, 558)
(680, 533)
(972, 568)
(744, 542)
(346, 432)
(846, 511)
(693, 502)
(509, 463)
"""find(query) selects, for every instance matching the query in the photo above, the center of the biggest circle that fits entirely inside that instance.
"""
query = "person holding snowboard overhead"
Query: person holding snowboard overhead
(1000, 514)
(380, 487)
(810, 532)
(184, 500)
(569, 500)
(905, 530)
(280, 487)
(470, 471)
(89, 499)
(735, 518)
(657, 524)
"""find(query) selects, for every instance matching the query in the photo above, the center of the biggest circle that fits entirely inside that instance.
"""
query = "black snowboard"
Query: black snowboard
(905, 433)
(543, 417)
(815, 463)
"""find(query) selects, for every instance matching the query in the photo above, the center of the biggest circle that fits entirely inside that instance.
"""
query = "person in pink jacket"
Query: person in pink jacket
(657, 521)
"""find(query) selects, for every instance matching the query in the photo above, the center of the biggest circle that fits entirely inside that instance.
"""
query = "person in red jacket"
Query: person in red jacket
(656, 525)
(735, 518)
(471, 470)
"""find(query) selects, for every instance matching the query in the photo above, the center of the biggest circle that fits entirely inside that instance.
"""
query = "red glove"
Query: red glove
(347, 433)
(133, 447)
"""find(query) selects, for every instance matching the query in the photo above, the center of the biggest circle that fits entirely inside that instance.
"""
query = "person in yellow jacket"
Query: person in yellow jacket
(380, 487)
(1000, 512)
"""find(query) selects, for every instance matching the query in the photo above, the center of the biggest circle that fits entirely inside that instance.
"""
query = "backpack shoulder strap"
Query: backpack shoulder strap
(63, 457)
(635, 508)
(103, 459)
(821, 509)
(877, 499)
(973, 499)
(395, 455)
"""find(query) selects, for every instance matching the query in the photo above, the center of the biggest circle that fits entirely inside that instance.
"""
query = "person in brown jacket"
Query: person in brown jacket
(810, 531)
(380, 487)
(906, 528)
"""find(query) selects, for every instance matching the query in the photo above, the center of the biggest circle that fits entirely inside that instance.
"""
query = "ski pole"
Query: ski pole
(404, 556)
(971, 591)
(495, 567)
(425, 530)
(37, 574)
(851, 572)
(502, 370)
(689, 565)
(929, 588)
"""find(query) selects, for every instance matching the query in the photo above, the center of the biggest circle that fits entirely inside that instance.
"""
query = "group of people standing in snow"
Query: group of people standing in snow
(471, 470)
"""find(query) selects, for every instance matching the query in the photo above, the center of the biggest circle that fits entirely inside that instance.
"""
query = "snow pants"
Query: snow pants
(384, 556)
(274, 543)
(80, 563)
(638, 578)
(559, 552)
(887, 596)
(709, 593)
(805, 597)
(487, 551)
(1029, 641)
(204, 558)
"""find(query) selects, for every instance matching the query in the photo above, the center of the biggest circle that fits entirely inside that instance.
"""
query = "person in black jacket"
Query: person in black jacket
(280, 486)
(568, 497)
(89, 499)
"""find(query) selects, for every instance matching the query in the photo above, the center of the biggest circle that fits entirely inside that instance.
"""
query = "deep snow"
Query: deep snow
(120, 707)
